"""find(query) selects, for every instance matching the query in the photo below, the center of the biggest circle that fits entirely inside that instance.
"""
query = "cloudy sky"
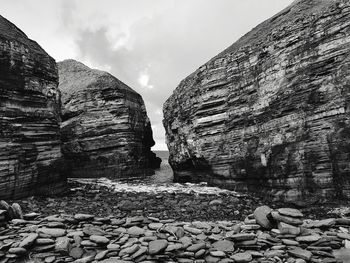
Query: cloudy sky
(151, 45)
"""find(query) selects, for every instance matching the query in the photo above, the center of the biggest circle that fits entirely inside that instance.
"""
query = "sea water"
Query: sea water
(161, 181)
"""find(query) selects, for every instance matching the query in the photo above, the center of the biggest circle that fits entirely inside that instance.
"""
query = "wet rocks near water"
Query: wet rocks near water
(88, 238)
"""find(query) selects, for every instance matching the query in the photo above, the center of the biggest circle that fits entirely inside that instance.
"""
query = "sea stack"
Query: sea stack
(270, 114)
(105, 128)
(30, 152)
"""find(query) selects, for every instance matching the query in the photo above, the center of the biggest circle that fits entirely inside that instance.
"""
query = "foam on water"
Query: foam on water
(141, 187)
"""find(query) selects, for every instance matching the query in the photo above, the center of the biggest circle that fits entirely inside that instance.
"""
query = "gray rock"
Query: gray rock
(224, 245)
(290, 212)
(260, 215)
(53, 232)
(300, 253)
(28, 240)
(99, 239)
(157, 246)
(242, 257)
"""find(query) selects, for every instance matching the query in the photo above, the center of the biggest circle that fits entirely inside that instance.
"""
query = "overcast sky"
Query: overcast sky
(151, 45)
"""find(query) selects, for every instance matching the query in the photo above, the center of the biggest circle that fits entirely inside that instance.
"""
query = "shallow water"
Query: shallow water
(161, 181)
(162, 175)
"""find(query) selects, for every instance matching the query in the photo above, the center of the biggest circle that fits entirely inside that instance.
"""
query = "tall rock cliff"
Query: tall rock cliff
(105, 128)
(270, 114)
(30, 152)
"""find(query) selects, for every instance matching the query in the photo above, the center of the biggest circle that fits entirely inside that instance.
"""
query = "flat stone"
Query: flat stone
(76, 252)
(287, 229)
(220, 254)
(200, 253)
(193, 230)
(50, 259)
(93, 230)
(113, 247)
(139, 252)
(308, 238)
(53, 232)
(155, 226)
(157, 246)
(129, 250)
(274, 253)
(88, 243)
(260, 215)
(101, 255)
(242, 257)
(28, 240)
(224, 245)
(174, 247)
(75, 233)
(286, 219)
(211, 259)
(201, 225)
(99, 239)
(322, 223)
(196, 247)
(135, 231)
(290, 212)
(300, 253)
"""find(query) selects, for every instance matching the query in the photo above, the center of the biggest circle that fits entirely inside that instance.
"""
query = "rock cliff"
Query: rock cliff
(270, 114)
(30, 152)
(105, 128)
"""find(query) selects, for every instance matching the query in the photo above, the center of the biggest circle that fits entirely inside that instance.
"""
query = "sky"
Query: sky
(151, 45)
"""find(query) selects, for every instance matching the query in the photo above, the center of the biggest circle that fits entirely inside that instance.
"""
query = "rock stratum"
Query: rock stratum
(105, 128)
(270, 114)
(30, 152)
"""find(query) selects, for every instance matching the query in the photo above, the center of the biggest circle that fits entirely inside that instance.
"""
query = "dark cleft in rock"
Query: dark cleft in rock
(270, 114)
(105, 128)
(30, 151)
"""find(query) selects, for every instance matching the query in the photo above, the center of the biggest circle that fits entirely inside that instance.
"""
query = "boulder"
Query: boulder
(30, 149)
(270, 113)
(105, 128)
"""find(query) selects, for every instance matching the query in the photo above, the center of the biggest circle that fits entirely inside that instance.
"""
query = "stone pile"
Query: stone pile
(266, 236)
(9, 212)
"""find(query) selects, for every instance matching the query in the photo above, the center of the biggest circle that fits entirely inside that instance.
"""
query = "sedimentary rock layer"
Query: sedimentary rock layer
(105, 128)
(30, 151)
(271, 113)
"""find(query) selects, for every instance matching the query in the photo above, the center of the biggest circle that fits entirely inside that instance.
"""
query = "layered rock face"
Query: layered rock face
(105, 128)
(270, 114)
(30, 152)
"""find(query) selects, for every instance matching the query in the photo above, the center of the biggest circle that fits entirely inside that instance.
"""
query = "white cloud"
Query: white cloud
(144, 80)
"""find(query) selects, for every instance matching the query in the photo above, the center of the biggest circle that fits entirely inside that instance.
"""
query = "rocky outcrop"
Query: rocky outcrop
(105, 128)
(270, 114)
(30, 151)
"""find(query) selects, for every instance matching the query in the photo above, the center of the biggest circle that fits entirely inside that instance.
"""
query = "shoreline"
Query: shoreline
(95, 224)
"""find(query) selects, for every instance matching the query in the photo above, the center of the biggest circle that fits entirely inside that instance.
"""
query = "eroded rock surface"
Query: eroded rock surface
(105, 129)
(30, 152)
(270, 114)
